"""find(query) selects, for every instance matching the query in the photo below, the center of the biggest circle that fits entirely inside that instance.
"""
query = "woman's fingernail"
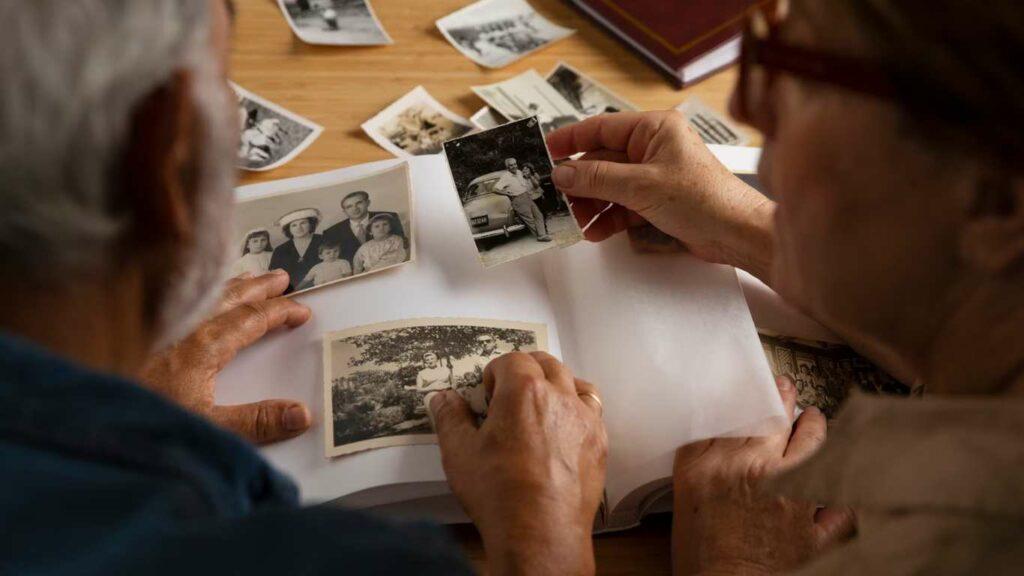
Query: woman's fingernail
(295, 418)
(564, 176)
(784, 383)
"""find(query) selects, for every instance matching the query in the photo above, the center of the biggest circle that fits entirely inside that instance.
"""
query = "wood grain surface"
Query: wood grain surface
(342, 87)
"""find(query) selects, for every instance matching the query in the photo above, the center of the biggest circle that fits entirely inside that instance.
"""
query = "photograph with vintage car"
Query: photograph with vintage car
(503, 178)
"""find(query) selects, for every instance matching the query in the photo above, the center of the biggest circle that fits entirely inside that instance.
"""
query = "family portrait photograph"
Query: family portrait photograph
(378, 378)
(415, 125)
(496, 33)
(503, 178)
(330, 233)
(335, 22)
(526, 95)
(270, 135)
(587, 96)
(825, 373)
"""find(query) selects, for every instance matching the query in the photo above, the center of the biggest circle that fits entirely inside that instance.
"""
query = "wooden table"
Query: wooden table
(342, 87)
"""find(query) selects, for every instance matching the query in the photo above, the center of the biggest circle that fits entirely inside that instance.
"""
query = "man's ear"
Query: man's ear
(160, 170)
(993, 240)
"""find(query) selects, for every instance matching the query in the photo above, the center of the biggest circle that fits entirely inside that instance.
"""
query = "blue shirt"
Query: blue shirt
(100, 476)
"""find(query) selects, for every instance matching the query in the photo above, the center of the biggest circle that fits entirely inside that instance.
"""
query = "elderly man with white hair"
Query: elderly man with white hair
(116, 172)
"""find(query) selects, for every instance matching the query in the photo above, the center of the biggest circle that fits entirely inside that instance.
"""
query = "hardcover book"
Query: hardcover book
(686, 39)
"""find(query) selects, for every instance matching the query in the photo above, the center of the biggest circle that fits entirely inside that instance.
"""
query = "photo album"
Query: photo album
(421, 270)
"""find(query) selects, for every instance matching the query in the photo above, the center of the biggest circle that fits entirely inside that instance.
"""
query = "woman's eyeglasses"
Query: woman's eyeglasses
(763, 56)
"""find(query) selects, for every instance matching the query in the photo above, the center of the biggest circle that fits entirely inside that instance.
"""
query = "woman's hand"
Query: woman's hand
(655, 169)
(723, 521)
(532, 475)
(187, 372)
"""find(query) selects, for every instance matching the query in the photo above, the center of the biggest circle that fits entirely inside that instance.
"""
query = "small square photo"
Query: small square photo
(503, 178)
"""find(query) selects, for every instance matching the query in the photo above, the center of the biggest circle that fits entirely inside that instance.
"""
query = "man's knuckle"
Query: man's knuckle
(263, 423)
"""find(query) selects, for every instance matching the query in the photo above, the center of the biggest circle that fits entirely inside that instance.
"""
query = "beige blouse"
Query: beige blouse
(937, 482)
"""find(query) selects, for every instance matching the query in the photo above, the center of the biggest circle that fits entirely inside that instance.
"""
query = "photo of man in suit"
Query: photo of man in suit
(354, 231)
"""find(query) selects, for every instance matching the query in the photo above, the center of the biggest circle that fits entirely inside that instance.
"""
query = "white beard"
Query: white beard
(195, 286)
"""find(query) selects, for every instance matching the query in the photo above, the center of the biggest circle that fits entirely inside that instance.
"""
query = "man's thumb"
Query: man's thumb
(452, 418)
(264, 422)
(598, 179)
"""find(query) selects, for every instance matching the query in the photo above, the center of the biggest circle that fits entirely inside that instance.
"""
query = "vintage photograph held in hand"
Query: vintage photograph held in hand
(271, 135)
(496, 33)
(330, 233)
(824, 373)
(415, 125)
(334, 22)
(526, 95)
(587, 95)
(503, 178)
(378, 378)
(712, 127)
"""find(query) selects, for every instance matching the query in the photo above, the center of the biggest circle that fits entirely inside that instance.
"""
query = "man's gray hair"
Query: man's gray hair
(72, 74)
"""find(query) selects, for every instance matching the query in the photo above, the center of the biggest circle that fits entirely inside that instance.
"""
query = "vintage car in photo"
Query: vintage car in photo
(490, 214)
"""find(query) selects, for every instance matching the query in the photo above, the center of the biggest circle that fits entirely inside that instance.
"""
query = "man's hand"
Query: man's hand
(532, 476)
(725, 524)
(653, 168)
(187, 372)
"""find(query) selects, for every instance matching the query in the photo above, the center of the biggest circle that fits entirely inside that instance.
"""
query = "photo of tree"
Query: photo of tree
(377, 377)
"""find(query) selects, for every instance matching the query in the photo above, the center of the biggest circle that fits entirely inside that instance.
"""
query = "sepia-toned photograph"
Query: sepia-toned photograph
(270, 135)
(526, 95)
(377, 379)
(335, 22)
(588, 96)
(487, 118)
(712, 127)
(496, 33)
(415, 125)
(503, 178)
(330, 233)
(824, 373)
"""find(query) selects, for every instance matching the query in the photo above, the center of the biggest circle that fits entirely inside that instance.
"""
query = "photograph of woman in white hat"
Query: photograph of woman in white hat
(301, 252)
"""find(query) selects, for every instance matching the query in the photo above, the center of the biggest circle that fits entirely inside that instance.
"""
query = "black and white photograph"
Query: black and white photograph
(526, 95)
(712, 127)
(824, 373)
(335, 22)
(496, 33)
(415, 125)
(487, 118)
(378, 379)
(587, 95)
(503, 178)
(327, 233)
(270, 135)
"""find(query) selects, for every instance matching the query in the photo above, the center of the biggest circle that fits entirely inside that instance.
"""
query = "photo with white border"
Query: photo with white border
(335, 22)
(415, 125)
(271, 136)
(496, 33)
(379, 378)
(328, 233)
(527, 95)
(587, 95)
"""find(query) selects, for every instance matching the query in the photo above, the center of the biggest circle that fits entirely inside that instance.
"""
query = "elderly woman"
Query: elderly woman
(301, 252)
(894, 135)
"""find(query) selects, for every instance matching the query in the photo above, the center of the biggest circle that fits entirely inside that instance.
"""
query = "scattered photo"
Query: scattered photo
(487, 118)
(824, 373)
(334, 22)
(587, 96)
(496, 33)
(329, 233)
(503, 178)
(271, 135)
(377, 378)
(415, 125)
(713, 127)
(529, 95)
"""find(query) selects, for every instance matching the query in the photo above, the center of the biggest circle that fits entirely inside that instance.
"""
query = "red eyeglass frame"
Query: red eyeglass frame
(861, 75)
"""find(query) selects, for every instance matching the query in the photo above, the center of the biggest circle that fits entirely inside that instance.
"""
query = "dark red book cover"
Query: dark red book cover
(674, 32)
